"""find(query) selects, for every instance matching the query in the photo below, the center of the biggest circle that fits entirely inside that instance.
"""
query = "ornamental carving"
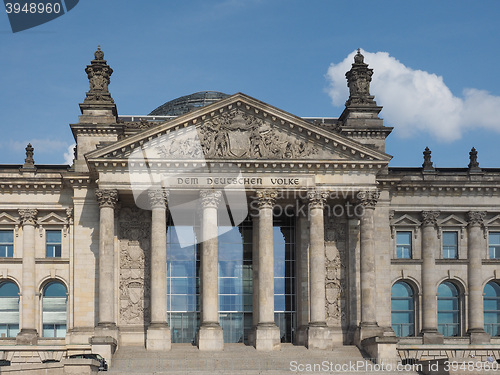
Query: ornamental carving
(28, 216)
(107, 197)
(317, 198)
(335, 230)
(210, 198)
(358, 81)
(476, 218)
(158, 198)
(429, 218)
(368, 198)
(134, 234)
(237, 134)
(335, 303)
(266, 198)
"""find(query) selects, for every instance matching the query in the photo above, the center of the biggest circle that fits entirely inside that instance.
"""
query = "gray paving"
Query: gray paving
(240, 359)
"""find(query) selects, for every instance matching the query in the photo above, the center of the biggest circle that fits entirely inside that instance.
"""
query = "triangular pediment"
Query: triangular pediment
(452, 220)
(406, 220)
(494, 221)
(52, 218)
(239, 128)
(5, 218)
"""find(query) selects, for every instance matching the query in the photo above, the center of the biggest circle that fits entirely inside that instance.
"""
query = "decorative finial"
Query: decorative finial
(427, 165)
(473, 164)
(29, 162)
(99, 55)
(358, 81)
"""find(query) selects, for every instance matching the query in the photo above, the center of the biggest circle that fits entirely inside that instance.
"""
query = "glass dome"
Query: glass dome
(188, 103)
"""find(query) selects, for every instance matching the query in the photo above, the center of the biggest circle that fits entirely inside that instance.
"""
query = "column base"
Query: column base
(365, 331)
(432, 337)
(319, 337)
(158, 337)
(210, 337)
(27, 337)
(267, 337)
(106, 330)
(478, 336)
(105, 346)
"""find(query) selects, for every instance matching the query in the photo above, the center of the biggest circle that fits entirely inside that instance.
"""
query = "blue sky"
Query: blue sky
(439, 78)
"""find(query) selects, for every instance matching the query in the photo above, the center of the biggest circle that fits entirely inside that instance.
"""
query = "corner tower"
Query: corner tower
(360, 120)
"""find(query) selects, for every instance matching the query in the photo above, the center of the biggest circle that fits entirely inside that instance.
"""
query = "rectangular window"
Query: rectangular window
(494, 245)
(6, 243)
(403, 245)
(450, 245)
(53, 242)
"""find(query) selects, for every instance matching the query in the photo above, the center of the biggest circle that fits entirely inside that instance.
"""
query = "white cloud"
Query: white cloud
(69, 155)
(416, 101)
(41, 146)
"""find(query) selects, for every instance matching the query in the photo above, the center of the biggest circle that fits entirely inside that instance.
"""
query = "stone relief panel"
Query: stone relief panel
(238, 134)
(134, 236)
(336, 271)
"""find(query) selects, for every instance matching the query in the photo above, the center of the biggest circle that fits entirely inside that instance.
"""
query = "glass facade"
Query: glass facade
(450, 245)
(494, 245)
(183, 283)
(492, 308)
(6, 243)
(54, 310)
(403, 245)
(284, 276)
(53, 243)
(9, 309)
(448, 309)
(403, 309)
(235, 281)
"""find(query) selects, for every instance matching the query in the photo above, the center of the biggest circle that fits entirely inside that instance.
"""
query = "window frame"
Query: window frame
(459, 311)
(458, 237)
(7, 244)
(11, 326)
(55, 326)
(497, 311)
(47, 244)
(411, 244)
(413, 298)
(495, 231)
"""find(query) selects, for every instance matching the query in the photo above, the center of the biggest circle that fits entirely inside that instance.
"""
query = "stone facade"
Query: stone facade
(349, 207)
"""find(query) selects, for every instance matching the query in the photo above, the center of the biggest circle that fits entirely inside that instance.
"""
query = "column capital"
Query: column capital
(429, 218)
(317, 198)
(368, 198)
(158, 198)
(28, 216)
(107, 197)
(476, 218)
(210, 198)
(266, 198)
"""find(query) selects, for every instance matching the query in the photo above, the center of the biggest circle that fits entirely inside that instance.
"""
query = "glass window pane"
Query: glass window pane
(6, 236)
(9, 289)
(55, 289)
(494, 238)
(53, 236)
(450, 238)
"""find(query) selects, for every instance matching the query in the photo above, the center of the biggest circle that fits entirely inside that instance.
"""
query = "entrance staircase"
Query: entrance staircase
(186, 359)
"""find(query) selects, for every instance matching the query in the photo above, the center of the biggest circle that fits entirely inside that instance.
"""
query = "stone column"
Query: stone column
(158, 334)
(475, 278)
(368, 325)
(106, 334)
(210, 333)
(255, 275)
(318, 334)
(28, 334)
(429, 288)
(267, 334)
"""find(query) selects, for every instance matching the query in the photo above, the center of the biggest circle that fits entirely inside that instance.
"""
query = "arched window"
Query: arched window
(448, 309)
(54, 310)
(492, 308)
(403, 309)
(9, 309)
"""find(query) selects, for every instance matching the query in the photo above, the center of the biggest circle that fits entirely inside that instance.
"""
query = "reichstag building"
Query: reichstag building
(221, 219)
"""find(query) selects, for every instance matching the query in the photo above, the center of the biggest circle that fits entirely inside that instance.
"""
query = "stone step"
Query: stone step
(241, 359)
